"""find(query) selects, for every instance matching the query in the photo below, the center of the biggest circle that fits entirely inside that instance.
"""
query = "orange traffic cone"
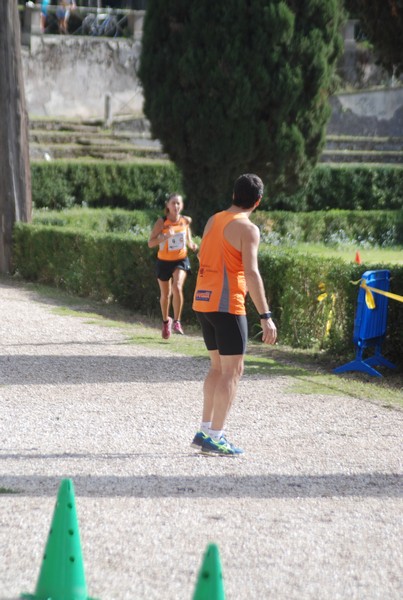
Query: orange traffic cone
(357, 258)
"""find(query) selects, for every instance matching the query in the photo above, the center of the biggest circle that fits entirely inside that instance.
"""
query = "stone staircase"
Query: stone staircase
(73, 139)
(129, 139)
(363, 149)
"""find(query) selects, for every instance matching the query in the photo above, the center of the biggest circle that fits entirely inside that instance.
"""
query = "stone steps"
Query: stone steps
(99, 151)
(129, 138)
(64, 139)
(90, 125)
(363, 149)
(362, 156)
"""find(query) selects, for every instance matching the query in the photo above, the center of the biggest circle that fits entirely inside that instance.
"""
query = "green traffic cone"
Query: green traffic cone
(62, 572)
(210, 584)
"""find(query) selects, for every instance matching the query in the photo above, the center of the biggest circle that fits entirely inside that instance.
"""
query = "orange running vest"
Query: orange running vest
(221, 285)
(174, 248)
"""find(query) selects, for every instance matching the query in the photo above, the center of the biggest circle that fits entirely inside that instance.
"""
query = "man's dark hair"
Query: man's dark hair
(248, 188)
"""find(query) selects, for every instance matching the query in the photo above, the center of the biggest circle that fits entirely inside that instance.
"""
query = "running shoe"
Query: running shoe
(198, 439)
(167, 328)
(177, 328)
(220, 447)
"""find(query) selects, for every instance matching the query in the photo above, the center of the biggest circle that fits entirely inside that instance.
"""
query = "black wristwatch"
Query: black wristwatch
(265, 315)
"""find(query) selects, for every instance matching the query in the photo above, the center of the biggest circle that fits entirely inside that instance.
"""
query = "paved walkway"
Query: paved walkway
(313, 511)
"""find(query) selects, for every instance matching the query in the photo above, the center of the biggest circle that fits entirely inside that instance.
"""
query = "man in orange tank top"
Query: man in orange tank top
(228, 270)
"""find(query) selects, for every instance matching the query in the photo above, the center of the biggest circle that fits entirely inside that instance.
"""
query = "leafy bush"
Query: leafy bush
(383, 228)
(60, 184)
(363, 187)
(376, 227)
(105, 220)
(120, 267)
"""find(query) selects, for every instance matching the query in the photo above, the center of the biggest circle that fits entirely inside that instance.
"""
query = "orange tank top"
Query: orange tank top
(221, 285)
(174, 248)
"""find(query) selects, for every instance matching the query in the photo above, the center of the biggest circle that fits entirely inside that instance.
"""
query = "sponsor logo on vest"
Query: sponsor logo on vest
(203, 295)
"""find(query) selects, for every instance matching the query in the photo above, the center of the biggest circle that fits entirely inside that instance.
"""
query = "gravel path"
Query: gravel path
(313, 511)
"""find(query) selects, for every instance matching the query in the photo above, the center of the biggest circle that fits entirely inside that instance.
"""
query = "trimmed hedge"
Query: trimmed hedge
(113, 220)
(104, 266)
(384, 228)
(60, 184)
(376, 227)
(120, 267)
(349, 187)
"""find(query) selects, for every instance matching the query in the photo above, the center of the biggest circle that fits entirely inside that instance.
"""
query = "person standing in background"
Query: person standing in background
(63, 12)
(44, 14)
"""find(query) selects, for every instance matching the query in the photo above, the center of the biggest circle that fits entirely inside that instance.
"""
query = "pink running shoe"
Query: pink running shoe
(167, 328)
(177, 328)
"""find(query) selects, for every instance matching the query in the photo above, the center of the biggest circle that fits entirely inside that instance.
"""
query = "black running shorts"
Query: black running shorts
(224, 332)
(165, 268)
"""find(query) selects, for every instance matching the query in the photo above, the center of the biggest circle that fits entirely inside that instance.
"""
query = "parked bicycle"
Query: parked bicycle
(103, 24)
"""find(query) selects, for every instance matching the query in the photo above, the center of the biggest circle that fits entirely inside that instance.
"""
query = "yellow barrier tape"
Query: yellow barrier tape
(322, 297)
(369, 297)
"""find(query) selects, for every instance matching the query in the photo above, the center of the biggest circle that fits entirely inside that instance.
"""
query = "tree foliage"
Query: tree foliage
(239, 86)
(382, 22)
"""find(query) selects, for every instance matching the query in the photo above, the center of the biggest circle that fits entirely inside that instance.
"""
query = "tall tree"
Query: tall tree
(15, 178)
(239, 86)
(382, 22)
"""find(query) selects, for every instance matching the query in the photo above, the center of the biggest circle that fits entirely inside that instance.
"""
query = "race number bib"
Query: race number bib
(177, 241)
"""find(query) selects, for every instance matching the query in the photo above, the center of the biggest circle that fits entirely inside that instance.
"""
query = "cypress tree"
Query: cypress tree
(239, 86)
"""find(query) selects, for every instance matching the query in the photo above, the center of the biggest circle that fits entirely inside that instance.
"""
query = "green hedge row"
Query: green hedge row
(121, 266)
(113, 220)
(375, 227)
(358, 187)
(61, 184)
(384, 228)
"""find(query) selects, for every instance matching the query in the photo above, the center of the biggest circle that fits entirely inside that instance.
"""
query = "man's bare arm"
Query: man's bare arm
(249, 248)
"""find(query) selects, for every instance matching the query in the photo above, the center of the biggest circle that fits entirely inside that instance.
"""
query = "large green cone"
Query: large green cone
(210, 584)
(62, 572)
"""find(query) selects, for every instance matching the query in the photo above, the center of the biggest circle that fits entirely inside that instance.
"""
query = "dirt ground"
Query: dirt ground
(313, 510)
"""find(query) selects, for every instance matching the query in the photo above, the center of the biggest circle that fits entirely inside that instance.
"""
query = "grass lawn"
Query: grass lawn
(346, 252)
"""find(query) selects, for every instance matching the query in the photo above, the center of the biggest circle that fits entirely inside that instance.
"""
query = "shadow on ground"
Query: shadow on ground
(386, 485)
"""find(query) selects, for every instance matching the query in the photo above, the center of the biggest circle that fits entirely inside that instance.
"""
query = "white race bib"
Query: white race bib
(177, 241)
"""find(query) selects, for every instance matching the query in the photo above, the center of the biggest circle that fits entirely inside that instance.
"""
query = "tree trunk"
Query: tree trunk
(15, 177)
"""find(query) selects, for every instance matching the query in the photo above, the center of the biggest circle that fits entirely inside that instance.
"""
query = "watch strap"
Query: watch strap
(266, 315)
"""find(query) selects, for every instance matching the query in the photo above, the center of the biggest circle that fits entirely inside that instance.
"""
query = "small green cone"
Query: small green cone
(62, 572)
(210, 584)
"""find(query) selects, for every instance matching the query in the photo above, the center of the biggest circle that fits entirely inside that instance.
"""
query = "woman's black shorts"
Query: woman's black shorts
(224, 332)
(165, 268)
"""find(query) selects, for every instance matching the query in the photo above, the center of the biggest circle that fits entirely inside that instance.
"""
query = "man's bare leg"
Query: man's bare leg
(224, 387)
(210, 384)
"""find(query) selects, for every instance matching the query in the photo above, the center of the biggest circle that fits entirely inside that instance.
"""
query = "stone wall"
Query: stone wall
(76, 76)
(70, 76)
(370, 113)
(79, 76)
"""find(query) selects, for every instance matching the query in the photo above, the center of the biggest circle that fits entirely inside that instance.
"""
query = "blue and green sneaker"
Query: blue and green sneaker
(199, 439)
(220, 447)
